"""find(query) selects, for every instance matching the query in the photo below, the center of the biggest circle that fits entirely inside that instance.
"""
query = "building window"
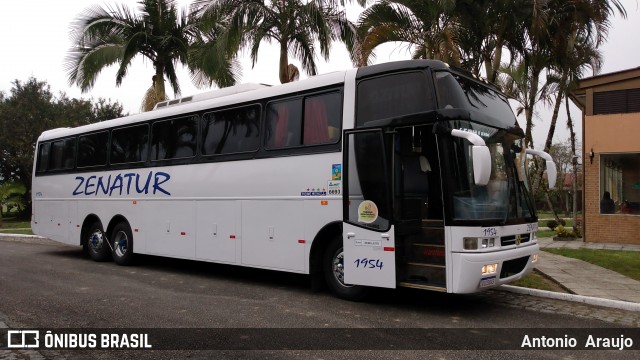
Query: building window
(620, 184)
(616, 102)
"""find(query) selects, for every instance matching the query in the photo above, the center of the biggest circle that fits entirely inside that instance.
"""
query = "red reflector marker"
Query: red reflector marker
(183, 233)
(232, 236)
(135, 230)
(301, 241)
(389, 249)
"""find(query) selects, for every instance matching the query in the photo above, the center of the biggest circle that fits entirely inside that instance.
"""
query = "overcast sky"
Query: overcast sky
(35, 39)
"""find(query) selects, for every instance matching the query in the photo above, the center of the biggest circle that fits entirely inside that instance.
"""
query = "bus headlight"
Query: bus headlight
(534, 258)
(489, 269)
(488, 242)
(472, 243)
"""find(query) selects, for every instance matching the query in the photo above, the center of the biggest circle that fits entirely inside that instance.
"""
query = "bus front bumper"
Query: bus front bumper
(512, 264)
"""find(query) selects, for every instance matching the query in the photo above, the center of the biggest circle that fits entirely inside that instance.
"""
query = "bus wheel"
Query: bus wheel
(122, 244)
(96, 242)
(333, 267)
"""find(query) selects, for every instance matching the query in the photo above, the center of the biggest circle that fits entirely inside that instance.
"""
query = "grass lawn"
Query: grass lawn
(535, 280)
(546, 233)
(624, 262)
(20, 231)
(9, 224)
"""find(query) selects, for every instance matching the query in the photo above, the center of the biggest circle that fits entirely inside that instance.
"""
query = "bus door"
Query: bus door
(418, 209)
(368, 234)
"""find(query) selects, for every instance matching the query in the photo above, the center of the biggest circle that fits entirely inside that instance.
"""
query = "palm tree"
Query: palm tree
(296, 26)
(519, 83)
(116, 35)
(576, 29)
(485, 29)
(429, 27)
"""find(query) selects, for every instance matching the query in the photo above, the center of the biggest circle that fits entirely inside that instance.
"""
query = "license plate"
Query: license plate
(488, 282)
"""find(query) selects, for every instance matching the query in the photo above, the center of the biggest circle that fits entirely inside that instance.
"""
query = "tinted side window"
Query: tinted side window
(129, 144)
(62, 154)
(174, 139)
(313, 120)
(322, 115)
(392, 96)
(231, 131)
(43, 157)
(92, 149)
(284, 124)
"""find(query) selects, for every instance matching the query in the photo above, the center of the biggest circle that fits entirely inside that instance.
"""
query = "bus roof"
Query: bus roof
(240, 94)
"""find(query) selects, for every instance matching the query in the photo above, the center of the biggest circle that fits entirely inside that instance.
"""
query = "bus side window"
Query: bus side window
(62, 154)
(92, 149)
(43, 157)
(174, 139)
(322, 119)
(231, 131)
(129, 144)
(284, 126)
(320, 122)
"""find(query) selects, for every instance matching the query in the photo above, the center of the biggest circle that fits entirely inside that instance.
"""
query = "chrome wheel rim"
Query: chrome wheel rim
(120, 243)
(96, 241)
(338, 267)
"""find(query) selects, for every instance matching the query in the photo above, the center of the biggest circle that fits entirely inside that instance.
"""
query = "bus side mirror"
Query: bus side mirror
(552, 171)
(480, 154)
(481, 165)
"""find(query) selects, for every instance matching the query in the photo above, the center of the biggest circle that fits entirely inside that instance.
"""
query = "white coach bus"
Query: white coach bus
(399, 174)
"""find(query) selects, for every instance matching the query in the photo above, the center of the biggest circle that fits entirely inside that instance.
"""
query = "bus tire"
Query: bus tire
(96, 242)
(333, 267)
(122, 244)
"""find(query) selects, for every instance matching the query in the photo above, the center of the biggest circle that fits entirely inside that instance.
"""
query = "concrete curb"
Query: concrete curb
(615, 304)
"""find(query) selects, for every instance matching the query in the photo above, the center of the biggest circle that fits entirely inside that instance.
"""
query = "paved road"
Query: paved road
(53, 286)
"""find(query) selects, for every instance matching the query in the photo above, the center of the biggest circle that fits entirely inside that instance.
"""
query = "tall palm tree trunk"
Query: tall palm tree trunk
(533, 91)
(574, 165)
(284, 62)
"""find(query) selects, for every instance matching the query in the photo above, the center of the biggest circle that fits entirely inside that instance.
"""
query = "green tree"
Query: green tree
(116, 35)
(485, 29)
(24, 114)
(28, 110)
(11, 196)
(576, 29)
(295, 25)
(106, 110)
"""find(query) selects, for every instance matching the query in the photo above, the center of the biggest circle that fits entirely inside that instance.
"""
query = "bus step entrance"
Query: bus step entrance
(425, 261)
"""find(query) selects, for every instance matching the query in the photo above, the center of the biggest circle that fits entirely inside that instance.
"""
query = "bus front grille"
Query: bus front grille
(515, 239)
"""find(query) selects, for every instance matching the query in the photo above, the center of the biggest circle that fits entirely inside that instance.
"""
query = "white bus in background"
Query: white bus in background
(399, 174)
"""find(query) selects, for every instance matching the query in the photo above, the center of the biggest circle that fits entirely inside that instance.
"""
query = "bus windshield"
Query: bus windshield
(505, 199)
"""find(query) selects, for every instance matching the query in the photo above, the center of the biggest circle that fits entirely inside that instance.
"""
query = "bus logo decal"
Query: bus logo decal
(122, 184)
